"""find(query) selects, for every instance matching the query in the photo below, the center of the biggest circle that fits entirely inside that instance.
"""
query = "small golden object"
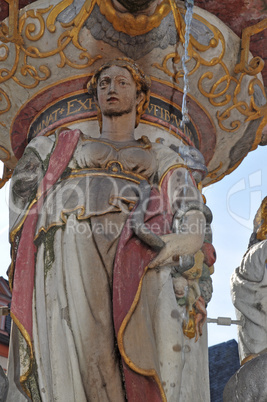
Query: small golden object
(196, 271)
(189, 328)
(249, 357)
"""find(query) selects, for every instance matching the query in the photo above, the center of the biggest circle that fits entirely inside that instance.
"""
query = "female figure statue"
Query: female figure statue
(94, 308)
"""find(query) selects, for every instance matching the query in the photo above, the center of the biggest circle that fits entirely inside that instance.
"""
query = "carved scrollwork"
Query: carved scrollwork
(194, 50)
(213, 174)
(31, 28)
(223, 91)
(256, 64)
(4, 52)
(5, 104)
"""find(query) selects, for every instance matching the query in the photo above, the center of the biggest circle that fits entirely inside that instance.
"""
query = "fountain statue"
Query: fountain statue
(92, 265)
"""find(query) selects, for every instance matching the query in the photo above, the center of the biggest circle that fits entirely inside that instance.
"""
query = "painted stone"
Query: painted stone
(225, 133)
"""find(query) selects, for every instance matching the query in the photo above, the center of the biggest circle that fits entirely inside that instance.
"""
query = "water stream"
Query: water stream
(188, 19)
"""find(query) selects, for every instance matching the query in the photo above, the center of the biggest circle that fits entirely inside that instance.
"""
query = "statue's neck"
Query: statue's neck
(118, 128)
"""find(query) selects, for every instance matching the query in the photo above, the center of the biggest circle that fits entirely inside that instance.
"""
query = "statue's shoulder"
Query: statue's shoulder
(164, 153)
(42, 146)
(166, 158)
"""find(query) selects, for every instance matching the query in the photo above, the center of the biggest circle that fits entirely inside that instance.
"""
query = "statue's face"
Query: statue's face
(116, 92)
(134, 6)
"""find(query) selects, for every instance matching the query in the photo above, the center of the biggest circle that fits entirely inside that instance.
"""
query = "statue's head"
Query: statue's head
(139, 79)
(134, 6)
(259, 224)
(260, 221)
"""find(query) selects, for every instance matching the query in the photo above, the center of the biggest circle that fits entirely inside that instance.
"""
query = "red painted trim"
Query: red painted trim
(131, 259)
(21, 306)
(82, 116)
(25, 116)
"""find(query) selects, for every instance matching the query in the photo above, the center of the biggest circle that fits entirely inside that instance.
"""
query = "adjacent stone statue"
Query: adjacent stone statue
(97, 229)
(249, 295)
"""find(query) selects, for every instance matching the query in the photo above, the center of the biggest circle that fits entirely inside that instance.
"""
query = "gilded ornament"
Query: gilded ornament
(213, 174)
(219, 93)
(130, 24)
(33, 32)
(189, 327)
(51, 19)
(7, 105)
(11, 34)
(194, 48)
(256, 64)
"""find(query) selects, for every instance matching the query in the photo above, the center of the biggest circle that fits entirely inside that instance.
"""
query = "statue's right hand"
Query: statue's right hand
(176, 244)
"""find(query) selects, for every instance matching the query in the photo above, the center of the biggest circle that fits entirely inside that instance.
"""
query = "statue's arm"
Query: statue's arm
(27, 175)
(189, 238)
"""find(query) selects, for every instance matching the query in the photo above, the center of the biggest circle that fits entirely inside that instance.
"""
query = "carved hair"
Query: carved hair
(141, 80)
(260, 220)
(259, 224)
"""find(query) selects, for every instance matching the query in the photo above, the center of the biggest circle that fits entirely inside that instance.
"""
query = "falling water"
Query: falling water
(188, 19)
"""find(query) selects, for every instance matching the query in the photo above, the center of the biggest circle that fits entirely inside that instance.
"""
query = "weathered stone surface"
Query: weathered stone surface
(248, 289)
(3, 385)
(248, 383)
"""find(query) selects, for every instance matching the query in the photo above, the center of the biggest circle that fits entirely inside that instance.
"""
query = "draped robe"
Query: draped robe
(90, 317)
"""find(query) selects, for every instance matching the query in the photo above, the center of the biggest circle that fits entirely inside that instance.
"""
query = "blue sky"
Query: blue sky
(234, 201)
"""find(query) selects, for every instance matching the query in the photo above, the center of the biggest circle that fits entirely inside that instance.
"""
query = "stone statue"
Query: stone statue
(97, 228)
(248, 286)
(249, 295)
